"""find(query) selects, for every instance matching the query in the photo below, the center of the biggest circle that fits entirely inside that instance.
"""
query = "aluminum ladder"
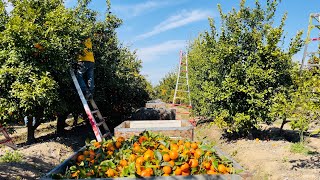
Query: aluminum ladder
(314, 23)
(93, 115)
(182, 84)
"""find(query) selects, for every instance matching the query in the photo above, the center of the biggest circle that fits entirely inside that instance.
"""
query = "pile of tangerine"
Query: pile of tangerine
(146, 155)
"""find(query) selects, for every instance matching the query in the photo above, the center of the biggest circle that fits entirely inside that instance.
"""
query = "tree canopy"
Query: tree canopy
(235, 71)
(39, 42)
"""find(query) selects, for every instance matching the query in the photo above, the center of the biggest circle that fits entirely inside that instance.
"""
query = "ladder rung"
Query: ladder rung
(313, 64)
(95, 111)
(312, 53)
(181, 98)
(184, 71)
(182, 91)
(100, 123)
(315, 15)
(107, 134)
(315, 39)
(5, 141)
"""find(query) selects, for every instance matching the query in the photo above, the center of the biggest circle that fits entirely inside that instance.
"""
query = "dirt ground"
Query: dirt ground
(49, 151)
(264, 158)
(268, 158)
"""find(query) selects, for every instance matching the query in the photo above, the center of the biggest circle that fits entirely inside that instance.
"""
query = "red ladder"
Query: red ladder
(8, 141)
(92, 113)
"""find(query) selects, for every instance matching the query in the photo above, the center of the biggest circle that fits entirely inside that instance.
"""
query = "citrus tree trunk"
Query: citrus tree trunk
(31, 128)
(61, 123)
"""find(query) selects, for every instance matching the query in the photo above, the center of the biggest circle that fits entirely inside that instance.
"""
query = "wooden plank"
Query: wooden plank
(149, 124)
(183, 129)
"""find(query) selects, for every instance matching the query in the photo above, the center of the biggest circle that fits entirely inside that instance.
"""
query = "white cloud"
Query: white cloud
(138, 9)
(9, 6)
(181, 19)
(153, 53)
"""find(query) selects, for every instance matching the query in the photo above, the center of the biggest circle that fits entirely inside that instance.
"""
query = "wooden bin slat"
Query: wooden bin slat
(175, 129)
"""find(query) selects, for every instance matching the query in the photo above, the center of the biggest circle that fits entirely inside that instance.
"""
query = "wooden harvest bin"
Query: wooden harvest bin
(181, 129)
(175, 129)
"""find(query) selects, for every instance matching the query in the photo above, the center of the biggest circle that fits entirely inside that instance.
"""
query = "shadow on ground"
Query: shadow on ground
(30, 167)
(312, 163)
(73, 137)
(269, 133)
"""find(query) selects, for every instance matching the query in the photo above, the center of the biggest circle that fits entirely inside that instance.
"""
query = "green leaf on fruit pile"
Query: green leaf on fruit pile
(158, 155)
(108, 163)
(193, 170)
(165, 164)
(73, 168)
(132, 168)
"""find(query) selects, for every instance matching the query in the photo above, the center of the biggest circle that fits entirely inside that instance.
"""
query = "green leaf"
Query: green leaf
(132, 168)
(158, 155)
(108, 163)
(215, 164)
(165, 164)
(73, 168)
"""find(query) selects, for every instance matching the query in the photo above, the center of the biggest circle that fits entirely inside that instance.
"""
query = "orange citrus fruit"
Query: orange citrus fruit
(193, 163)
(222, 168)
(207, 165)
(174, 147)
(145, 173)
(110, 173)
(194, 145)
(166, 158)
(118, 144)
(166, 169)
(173, 155)
(178, 171)
(80, 158)
(142, 138)
(132, 157)
(123, 162)
(86, 153)
(140, 160)
(187, 145)
(211, 172)
(185, 166)
(149, 170)
(172, 163)
(198, 153)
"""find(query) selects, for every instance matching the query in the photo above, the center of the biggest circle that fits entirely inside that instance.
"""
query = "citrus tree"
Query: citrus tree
(236, 71)
(40, 41)
(299, 103)
(165, 89)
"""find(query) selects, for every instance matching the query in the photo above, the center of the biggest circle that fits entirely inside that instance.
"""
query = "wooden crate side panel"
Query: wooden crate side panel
(155, 123)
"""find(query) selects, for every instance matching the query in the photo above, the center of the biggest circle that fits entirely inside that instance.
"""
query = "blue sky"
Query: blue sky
(158, 29)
